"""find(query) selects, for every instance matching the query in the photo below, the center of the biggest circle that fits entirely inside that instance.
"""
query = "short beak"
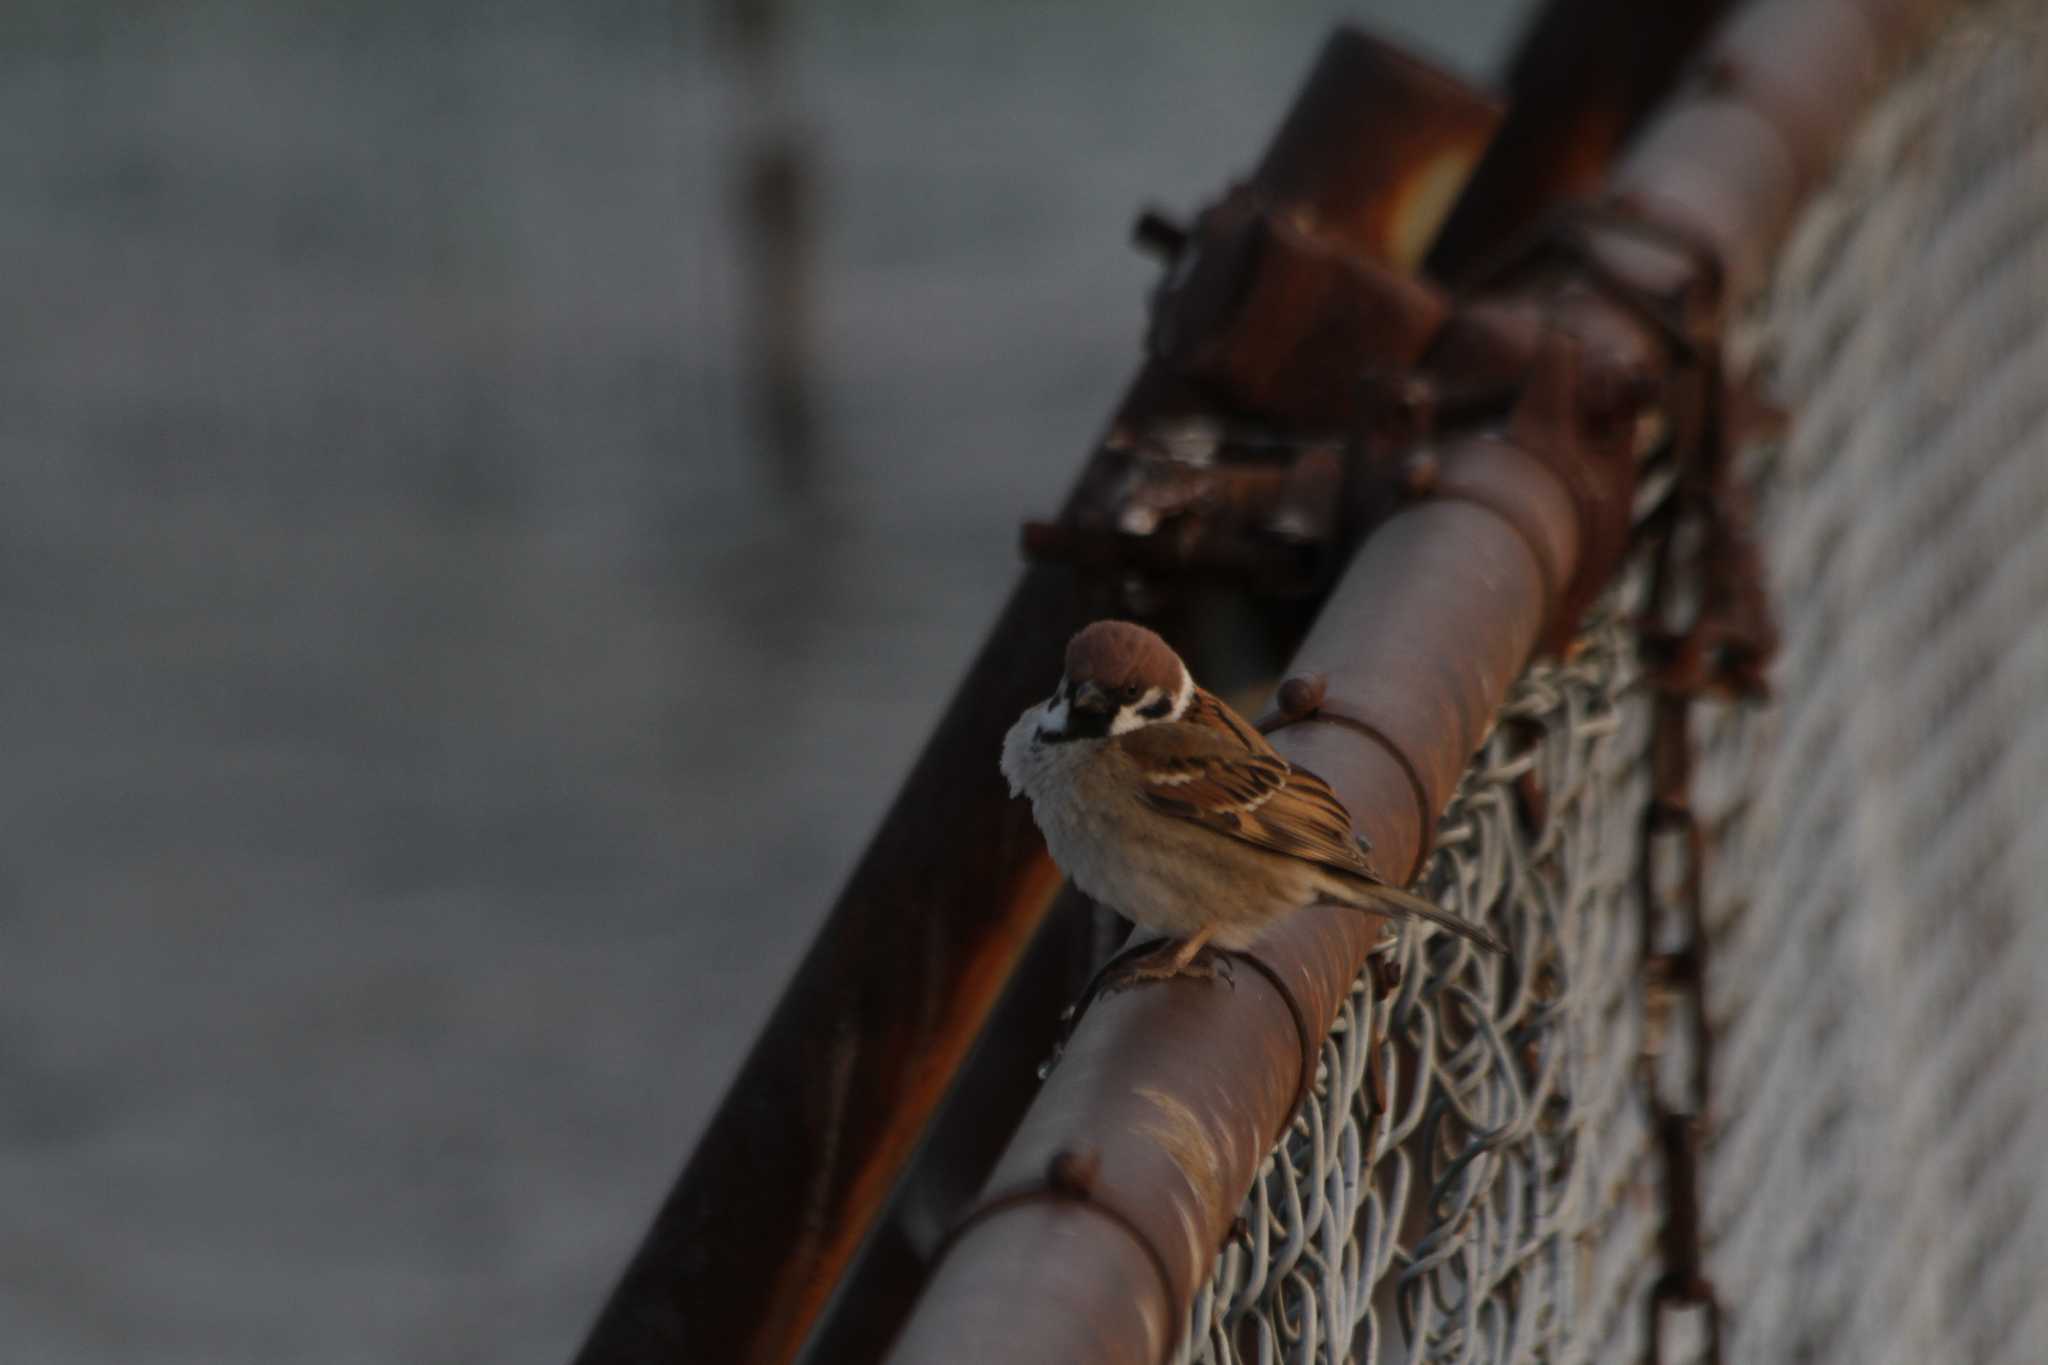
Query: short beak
(1089, 697)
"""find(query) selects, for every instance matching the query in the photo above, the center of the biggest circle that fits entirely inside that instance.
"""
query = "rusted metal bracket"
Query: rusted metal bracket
(1275, 314)
(1308, 333)
(1274, 306)
(1199, 503)
(1728, 643)
(1594, 401)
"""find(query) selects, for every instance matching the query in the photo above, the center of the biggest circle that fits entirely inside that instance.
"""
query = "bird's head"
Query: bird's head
(1119, 677)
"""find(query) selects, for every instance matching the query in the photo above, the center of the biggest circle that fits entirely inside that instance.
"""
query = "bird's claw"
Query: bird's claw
(1206, 965)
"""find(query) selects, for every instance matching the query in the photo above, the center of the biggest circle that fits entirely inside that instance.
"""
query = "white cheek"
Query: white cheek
(1126, 721)
(1056, 716)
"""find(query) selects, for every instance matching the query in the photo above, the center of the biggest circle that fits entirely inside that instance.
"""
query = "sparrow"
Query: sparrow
(1168, 807)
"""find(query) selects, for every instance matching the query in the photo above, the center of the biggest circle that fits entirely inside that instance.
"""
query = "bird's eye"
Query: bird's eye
(1131, 691)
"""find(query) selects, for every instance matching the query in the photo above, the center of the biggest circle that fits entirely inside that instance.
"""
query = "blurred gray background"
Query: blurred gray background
(434, 722)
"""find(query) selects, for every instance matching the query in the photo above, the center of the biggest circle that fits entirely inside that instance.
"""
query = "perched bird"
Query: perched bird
(1167, 806)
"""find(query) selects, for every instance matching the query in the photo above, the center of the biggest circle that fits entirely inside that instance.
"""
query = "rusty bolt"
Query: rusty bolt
(1301, 696)
(1073, 1173)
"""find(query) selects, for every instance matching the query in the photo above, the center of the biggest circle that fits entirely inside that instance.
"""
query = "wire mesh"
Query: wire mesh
(1879, 842)
(1441, 1193)
(1874, 1188)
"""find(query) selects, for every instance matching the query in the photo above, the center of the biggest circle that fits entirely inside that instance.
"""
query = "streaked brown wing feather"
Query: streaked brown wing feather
(1209, 711)
(1214, 769)
(1201, 773)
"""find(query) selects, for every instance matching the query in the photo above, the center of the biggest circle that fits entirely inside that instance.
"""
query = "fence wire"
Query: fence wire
(1438, 1195)
(1879, 847)
(1882, 926)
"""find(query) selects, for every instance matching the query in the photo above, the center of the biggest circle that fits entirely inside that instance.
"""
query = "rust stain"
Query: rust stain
(809, 1276)
(1186, 1140)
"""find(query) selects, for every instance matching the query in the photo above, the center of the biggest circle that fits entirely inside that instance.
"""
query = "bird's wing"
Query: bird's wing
(1198, 773)
(1211, 712)
(1205, 774)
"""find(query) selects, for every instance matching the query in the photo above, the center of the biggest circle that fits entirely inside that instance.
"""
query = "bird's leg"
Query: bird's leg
(1183, 963)
(1164, 966)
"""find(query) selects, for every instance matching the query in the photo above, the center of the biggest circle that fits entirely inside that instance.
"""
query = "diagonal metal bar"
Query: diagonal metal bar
(811, 1168)
(1583, 77)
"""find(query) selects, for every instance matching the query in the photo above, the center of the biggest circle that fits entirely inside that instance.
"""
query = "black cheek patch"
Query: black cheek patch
(1088, 724)
(1080, 725)
(1157, 710)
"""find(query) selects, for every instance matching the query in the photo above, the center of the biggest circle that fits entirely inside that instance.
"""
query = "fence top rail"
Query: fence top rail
(1149, 1133)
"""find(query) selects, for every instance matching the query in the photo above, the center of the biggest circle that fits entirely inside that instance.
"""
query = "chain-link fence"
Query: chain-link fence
(1475, 1178)
(1879, 910)
(1472, 1114)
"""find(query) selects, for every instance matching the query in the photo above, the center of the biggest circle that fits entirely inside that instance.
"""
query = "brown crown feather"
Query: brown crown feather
(1117, 654)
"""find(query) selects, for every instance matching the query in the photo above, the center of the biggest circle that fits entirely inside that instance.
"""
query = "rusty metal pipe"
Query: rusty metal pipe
(1177, 1094)
(794, 1169)
(1777, 91)
(1171, 1096)
(764, 1248)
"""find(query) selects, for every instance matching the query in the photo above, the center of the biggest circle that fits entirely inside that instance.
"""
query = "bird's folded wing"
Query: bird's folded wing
(1197, 773)
(1211, 712)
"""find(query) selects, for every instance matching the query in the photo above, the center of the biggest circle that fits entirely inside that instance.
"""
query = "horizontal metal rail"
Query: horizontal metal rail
(1108, 1208)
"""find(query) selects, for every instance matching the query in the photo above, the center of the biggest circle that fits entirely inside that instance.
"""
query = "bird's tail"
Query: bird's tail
(1382, 898)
